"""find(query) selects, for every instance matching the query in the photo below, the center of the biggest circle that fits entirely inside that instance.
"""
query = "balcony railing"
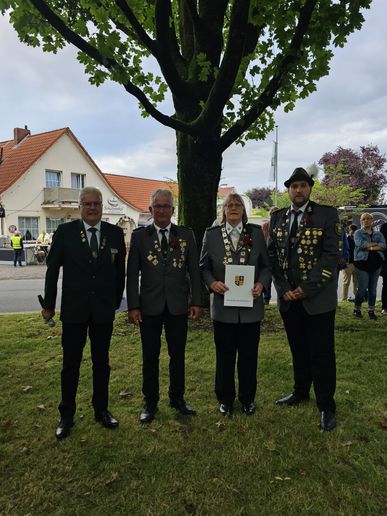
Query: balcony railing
(60, 195)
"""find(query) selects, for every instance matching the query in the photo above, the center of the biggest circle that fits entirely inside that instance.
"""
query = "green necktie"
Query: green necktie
(93, 243)
(293, 229)
(164, 243)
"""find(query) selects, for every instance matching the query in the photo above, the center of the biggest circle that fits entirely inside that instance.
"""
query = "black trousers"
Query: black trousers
(232, 339)
(175, 327)
(311, 340)
(73, 342)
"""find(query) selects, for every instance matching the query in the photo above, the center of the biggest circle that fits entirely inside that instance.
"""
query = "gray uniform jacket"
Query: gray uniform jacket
(315, 257)
(154, 283)
(212, 268)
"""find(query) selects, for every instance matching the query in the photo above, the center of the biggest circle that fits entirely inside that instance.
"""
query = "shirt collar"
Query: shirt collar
(97, 226)
(229, 228)
(301, 208)
(168, 228)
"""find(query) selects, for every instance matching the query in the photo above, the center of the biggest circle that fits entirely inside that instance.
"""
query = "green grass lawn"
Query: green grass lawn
(275, 462)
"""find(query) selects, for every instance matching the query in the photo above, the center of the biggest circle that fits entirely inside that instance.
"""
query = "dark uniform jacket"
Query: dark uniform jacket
(154, 283)
(312, 264)
(90, 288)
(212, 265)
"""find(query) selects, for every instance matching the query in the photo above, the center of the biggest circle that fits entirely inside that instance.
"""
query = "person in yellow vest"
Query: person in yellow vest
(17, 245)
(44, 237)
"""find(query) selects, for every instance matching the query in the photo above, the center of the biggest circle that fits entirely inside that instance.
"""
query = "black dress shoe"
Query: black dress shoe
(225, 409)
(248, 409)
(183, 407)
(148, 414)
(292, 399)
(64, 427)
(327, 420)
(106, 419)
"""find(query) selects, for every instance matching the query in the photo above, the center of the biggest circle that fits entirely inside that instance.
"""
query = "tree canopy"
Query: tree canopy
(363, 170)
(226, 66)
(260, 197)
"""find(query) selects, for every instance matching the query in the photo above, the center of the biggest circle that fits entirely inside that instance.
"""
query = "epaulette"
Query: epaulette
(210, 228)
(185, 227)
(254, 225)
(139, 228)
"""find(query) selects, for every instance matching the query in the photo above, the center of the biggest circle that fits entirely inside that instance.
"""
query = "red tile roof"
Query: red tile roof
(17, 159)
(226, 190)
(137, 191)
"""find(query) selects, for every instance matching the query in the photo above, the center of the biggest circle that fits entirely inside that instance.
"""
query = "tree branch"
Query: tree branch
(71, 37)
(225, 80)
(267, 96)
(167, 46)
(148, 42)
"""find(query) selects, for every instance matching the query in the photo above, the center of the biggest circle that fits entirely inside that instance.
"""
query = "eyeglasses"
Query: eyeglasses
(232, 205)
(159, 207)
(91, 204)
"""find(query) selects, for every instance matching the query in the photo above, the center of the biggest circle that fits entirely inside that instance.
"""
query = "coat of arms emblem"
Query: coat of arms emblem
(239, 281)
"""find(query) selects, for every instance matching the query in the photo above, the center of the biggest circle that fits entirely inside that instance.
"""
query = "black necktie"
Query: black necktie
(293, 229)
(93, 243)
(164, 243)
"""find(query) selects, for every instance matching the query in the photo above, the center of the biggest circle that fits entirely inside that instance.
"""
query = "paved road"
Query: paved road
(19, 288)
(20, 295)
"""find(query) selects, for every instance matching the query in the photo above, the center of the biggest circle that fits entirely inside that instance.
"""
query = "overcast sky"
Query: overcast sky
(46, 92)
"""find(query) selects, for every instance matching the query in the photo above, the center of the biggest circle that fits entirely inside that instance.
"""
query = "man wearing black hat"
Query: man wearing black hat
(304, 251)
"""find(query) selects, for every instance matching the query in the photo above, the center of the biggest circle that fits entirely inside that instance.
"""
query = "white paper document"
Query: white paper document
(240, 281)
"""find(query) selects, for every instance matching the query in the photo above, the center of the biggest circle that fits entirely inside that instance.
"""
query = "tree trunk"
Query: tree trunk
(199, 166)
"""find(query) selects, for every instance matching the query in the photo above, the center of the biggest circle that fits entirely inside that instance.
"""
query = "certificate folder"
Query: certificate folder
(240, 281)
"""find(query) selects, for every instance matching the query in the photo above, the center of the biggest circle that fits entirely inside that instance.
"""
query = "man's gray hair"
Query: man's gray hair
(89, 190)
(227, 200)
(162, 192)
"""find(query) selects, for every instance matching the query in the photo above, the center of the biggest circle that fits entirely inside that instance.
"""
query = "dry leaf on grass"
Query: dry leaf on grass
(113, 478)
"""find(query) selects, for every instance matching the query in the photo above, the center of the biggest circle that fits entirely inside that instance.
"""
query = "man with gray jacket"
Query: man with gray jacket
(158, 292)
(304, 252)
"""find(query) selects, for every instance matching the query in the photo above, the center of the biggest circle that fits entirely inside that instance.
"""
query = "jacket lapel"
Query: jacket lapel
(153, 244)
(84, 243)
(103, 243)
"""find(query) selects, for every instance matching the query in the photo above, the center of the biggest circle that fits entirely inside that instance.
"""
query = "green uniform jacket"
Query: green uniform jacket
(90, 289)
(317, 254)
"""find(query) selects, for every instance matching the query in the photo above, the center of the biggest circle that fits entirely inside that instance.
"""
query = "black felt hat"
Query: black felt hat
(299, 174)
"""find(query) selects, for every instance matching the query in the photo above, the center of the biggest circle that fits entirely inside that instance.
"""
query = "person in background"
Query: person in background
(304, 248)
(344, 247)
(368, 260)
(349, 272)
(159, 295)
(236, 329)
(265, 229)
(383, 273)
(92, 255)
(44, 237)
(17, 245)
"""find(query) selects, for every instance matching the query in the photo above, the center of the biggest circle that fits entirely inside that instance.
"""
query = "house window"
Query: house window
(52, 224)
(53, 178)
(78, 181)
(30, 224)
